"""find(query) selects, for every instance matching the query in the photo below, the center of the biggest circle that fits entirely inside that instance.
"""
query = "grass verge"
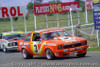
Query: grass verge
(94, 49)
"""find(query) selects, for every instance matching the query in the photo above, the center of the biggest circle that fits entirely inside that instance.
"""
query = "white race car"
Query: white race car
(8, 40)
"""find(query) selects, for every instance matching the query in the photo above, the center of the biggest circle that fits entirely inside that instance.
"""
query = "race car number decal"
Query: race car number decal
(34, 47)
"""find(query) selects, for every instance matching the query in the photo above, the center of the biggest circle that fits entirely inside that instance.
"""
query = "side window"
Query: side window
(36, 37)
(27, 38)
(0, 36)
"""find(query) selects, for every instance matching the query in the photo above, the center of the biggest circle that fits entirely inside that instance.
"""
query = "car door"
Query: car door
(35, 43)
(3, 42)
(25, 42)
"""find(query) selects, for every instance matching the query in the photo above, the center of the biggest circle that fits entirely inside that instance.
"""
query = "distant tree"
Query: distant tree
(81, 4)
(27, 16)
(30, 6)
(15, 18)
(4, 19)
(58, 1)
(54, 1)
(51, 2)
(38, 1)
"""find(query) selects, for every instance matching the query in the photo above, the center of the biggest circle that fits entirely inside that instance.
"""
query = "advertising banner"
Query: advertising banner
(96, 14)
(6, 12)
(54, 8)
(89, 4)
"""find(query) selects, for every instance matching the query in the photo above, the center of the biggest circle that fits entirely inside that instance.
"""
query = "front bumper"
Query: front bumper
(12, 48)
(71, 51)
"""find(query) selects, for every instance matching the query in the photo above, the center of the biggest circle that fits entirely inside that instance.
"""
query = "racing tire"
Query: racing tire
(49, 54)
(26, 55)
(5, 50)
(81, 55)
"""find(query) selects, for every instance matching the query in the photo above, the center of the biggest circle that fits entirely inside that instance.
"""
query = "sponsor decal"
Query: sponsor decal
(50, 44)
(77, 42)
(21, 43)
(23, 46)
(26, 43)
(54, 8)
(3, 41)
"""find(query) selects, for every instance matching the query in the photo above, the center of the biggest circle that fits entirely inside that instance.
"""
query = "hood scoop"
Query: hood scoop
(64, 38)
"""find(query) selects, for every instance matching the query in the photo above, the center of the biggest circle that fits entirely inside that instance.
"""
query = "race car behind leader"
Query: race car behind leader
(8, 40)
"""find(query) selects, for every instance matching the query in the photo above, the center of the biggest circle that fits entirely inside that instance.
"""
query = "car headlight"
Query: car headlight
(84, 43)
(59, 47)
(9, 44)
(13, 44)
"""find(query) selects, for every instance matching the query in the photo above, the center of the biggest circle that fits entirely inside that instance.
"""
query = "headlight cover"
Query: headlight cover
(84, 43)
(59, 47)
(9, 44)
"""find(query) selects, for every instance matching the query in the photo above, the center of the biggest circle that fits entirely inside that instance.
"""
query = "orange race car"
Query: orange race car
(52, 43)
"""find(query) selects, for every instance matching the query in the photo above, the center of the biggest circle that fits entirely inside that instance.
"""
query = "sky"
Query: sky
(5, 3)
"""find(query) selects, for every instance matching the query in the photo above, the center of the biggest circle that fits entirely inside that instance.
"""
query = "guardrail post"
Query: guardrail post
(78, 17)
(35, 22)
(71, 21)
(46, 21)
(25, 24)
(98, 37)
(68, 19)
(77, 30)
(57, 20)
(12, 28)
(86, 16)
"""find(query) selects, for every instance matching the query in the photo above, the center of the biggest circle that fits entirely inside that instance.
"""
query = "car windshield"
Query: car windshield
(51, 35)
(14, 36)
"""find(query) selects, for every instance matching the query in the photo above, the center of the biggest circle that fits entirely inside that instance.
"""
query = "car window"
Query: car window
(13, 36)
(0, 36)
(28, 38)
(51, 35)
(36, 37)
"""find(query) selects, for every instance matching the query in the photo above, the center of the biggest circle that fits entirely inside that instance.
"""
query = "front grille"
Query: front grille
(77, 45)
(72, 45)
(67, 46)
(14, 44)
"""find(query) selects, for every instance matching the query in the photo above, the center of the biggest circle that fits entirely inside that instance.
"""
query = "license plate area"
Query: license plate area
(73, 53)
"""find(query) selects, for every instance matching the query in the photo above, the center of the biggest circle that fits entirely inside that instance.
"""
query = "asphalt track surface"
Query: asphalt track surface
(15, 59)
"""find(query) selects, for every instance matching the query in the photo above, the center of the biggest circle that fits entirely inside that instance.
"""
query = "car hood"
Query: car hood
(7, 41)
(18, 38)
(62, 40)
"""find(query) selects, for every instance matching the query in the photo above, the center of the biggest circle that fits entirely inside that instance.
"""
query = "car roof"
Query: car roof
(48, 30)
(14, 32)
